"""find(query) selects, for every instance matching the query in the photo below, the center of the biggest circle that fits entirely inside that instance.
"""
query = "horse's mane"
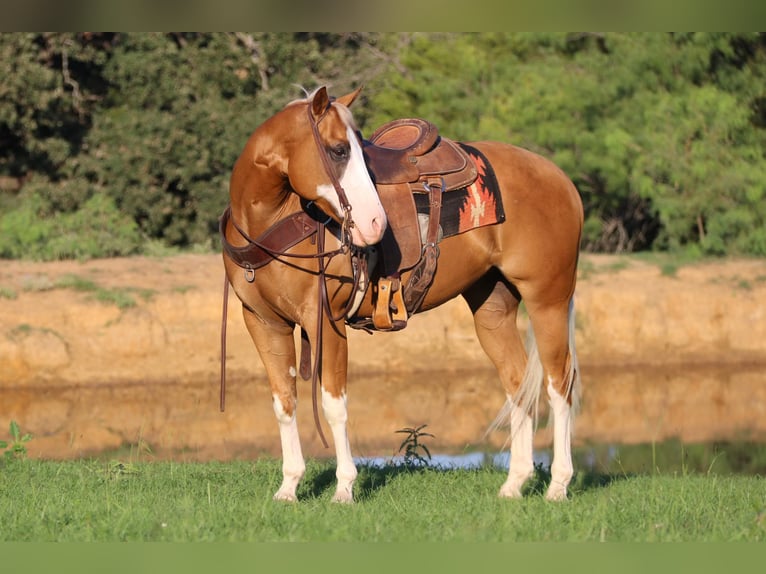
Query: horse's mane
(345, 113)
(307, 98)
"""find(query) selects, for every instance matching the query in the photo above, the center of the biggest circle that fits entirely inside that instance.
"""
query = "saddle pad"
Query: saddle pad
(474, 206)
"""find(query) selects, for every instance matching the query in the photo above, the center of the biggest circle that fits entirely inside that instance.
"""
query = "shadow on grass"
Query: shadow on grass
(372, 479)
(315, 485)
(583, 481)
(369, 480)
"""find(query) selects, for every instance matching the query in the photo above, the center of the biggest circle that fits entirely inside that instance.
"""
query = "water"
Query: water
(631, 420)
(454, 461)
(668, 457)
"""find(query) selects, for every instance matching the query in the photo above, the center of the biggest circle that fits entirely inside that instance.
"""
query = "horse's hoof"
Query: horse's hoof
(285, 496)
(343, 498)
(510, 491)
(556, 493)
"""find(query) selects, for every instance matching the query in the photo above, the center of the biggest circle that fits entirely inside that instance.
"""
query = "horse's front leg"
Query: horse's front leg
(334, 370)
(276, 347)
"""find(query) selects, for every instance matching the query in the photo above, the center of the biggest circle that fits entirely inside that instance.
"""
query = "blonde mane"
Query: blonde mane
(344, 112)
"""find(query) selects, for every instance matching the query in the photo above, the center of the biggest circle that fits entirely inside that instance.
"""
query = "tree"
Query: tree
(150, 123)
(662, 133)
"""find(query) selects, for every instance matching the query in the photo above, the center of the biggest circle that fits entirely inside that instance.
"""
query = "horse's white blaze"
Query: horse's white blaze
(366, 210)
(561, 469)
(522, 463)
(293, 465)
(336, 413)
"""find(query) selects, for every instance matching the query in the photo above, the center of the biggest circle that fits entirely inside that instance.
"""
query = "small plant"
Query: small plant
(117, 470)
(7, 293)
(17, 449)
(669, 269)
(411, 447)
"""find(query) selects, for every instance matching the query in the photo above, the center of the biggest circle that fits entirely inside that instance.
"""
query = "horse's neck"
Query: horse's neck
(260, 196)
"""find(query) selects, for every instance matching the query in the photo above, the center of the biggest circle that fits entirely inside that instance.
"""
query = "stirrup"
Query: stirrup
(389, 312)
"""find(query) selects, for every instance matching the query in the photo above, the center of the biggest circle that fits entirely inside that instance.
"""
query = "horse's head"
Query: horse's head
(328, 167)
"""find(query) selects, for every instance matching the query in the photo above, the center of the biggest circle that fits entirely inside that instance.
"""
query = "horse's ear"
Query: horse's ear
(320, 102)
(348, 99)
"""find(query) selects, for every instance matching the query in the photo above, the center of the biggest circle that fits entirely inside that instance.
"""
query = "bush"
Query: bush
(97, 229)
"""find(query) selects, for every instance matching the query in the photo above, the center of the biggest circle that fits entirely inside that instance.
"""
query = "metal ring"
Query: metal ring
(249, 274)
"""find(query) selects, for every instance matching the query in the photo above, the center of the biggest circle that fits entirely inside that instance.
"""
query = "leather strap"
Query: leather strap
(223, 340)
(423, 274)
(323, 301)
(272, 243)
(347, 223)
(305, 361)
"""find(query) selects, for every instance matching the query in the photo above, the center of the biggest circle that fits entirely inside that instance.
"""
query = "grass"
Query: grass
(7, 293)
(123, 298)
(668, 264)
(93, 500)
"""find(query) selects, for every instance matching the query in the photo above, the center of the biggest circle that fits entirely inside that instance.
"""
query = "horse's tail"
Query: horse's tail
(528, 396)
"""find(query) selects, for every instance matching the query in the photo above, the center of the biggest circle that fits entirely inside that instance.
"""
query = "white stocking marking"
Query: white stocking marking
(293, 465)
(561, 469)
(522, 465)
(336, 413)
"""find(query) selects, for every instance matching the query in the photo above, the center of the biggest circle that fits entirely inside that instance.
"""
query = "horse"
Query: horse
(305, 169)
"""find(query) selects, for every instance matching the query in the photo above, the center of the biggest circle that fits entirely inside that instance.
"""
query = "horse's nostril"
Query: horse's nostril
(379, 225)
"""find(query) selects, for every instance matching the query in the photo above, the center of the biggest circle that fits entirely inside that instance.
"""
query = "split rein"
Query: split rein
(323, 258)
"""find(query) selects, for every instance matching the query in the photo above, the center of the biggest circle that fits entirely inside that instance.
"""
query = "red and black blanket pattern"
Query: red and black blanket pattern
(474, 206)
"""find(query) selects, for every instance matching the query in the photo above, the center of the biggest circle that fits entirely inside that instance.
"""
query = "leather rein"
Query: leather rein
(271, 245)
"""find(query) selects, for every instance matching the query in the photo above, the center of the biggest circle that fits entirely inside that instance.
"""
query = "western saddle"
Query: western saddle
(406, 157)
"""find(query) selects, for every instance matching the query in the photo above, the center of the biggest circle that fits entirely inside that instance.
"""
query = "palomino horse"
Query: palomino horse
(306, 164)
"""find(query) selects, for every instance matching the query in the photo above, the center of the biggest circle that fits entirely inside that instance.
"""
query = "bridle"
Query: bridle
(347, 222)
(322, 256)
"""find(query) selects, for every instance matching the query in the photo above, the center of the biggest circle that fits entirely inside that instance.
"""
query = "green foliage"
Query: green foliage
(96, 229)
(50, 84)
(124, 142)
(662, 133)
(17, 449)
(140, 130)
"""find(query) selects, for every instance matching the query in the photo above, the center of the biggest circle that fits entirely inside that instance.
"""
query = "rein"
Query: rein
(271, 245)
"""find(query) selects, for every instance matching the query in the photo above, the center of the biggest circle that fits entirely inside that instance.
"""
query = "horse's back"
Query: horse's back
(543, 209)
(531, 181)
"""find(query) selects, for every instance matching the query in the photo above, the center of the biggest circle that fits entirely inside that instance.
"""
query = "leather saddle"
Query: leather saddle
(406, 157)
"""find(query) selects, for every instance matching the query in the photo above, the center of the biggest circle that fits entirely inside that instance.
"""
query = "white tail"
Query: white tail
(528, 397)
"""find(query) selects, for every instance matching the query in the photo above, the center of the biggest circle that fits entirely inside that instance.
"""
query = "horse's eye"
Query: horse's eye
(339, 152)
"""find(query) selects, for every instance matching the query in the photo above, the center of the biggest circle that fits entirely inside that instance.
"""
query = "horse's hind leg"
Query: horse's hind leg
(276, 347)
(554, 329)
(494, 304)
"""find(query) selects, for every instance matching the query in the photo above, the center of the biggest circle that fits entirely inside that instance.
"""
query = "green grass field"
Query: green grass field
(82, 501)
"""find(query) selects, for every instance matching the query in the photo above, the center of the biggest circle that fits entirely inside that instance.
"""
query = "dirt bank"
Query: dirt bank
(98, 355)
(158, 319)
